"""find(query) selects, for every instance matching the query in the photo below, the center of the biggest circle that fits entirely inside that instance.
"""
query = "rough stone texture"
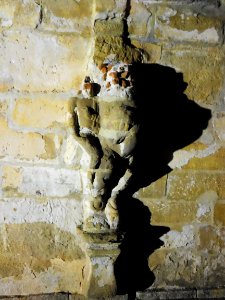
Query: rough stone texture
(35, 112)
(57, 62)
(203, 71)
(186, 26)
(47, 48)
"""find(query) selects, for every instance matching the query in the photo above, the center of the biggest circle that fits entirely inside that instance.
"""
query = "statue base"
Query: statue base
(101, 249)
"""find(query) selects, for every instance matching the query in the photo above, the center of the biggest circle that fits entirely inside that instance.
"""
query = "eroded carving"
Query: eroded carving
(106, 128)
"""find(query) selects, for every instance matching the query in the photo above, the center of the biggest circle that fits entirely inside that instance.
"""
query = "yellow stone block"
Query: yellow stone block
(164, 212)
(183, 185)
(44, 62)
(152, 52)
(219, 214)
(11, 177)
(156, 189)
(20, 145)
(40, 249)
(202, 69)
(68, 16)
(114, 27)
(44, 112)
(215, 161)
(186, 26)
(211, 239)
(68, 8)
(140, 20)
(13, 12)
(107, 45)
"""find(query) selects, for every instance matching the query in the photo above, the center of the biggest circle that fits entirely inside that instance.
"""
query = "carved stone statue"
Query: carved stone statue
(105, 126)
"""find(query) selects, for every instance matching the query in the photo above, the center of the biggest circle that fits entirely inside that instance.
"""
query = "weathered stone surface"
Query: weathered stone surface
(13, 11)
(202, 70)
(114, 46)
(140, 20)
(212, 269)
(44, 112)
(42, 181)
(219, 214)
(21, 146)
(67, 16)
(65, 213)
(3, 108)
(113, 27)
(189, 186)
(211, 293)
(186, 26)
(44, 251)
(182, 269)
(185, 237)
(115, 116)
(57, 62)
(53, 296)
(219, 125)
(214, 161)
(152, 52)
(109, 9)
(211, 239)
(156, 189)
(166, 212)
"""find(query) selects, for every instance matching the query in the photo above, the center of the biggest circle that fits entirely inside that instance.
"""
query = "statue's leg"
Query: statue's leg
(111, 209)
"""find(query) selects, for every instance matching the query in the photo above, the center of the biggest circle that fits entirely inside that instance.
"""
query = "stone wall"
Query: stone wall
(47, 48)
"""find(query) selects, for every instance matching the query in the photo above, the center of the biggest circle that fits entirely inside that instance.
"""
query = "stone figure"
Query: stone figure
(106, 128)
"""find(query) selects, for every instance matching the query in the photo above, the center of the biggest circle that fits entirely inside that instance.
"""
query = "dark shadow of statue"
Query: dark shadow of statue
(168, 122)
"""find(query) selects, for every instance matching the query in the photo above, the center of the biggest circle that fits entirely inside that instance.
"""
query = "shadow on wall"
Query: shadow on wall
(168, 121)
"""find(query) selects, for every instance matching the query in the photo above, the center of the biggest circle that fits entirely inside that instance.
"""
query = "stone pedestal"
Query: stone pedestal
(101, 250)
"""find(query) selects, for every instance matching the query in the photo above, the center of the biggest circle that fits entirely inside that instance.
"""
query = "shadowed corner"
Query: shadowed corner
(168, 121)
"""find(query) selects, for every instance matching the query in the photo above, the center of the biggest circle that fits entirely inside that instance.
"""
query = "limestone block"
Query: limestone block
(43, 112)
(39, 258)
(156, 189)
(191, 185)
(214, 161)
(23, 146)
(166, 212)
(219, 125)
(11, 177)
(65, 213)
(206, 204)
(67, 16)
(35, 61)
(186, 26)
(109, 9)
(219, 214)
(202, 70)
(212, 271)
(140, 20)
(113, 27)
(185, 237)
(152, 52)
(13, 12)
(211, 239)
(107, 46)
(179, 268)
(44, 182)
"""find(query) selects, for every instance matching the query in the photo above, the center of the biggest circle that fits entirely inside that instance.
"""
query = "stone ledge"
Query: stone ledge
(217, 293)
